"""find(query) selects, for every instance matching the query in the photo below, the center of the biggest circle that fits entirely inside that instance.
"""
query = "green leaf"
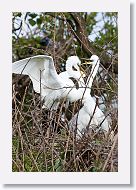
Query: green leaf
(39, 21)
(33, 15)
(32, 22)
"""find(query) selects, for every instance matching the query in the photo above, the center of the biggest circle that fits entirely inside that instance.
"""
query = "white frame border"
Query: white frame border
(123, 174)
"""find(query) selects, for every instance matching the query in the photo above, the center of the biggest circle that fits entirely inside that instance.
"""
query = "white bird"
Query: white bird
(89, 115)
(53, 87)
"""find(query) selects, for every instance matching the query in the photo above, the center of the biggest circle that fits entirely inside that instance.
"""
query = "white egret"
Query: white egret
(53, 87)
(89, 115)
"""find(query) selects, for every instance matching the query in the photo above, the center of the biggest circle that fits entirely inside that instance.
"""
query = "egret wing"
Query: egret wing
(52, 80)
(38, 68)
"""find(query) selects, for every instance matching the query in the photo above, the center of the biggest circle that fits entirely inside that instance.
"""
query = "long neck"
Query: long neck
(69, 70)
(93, 74)
(89, 104)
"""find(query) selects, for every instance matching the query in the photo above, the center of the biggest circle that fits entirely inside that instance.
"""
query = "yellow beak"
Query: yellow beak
(82, 69)
(86, 63)
(82, 73)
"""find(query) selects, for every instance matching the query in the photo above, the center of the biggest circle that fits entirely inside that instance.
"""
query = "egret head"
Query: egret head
(73, 62)
(94, 59)
(73, 67)
(91, 65)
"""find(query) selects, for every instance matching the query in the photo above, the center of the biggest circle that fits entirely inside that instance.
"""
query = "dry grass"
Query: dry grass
(42, 141)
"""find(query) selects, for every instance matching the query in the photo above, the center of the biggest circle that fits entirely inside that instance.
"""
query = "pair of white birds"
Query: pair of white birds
(53, 87)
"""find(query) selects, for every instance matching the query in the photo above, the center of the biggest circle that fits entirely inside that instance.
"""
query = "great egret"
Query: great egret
(53, 87)
(89, 115)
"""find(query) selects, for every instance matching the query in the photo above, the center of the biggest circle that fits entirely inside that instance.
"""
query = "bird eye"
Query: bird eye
(74, 68)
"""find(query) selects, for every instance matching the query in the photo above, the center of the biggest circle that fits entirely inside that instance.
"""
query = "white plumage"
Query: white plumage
(53, 87)
(89, 114)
